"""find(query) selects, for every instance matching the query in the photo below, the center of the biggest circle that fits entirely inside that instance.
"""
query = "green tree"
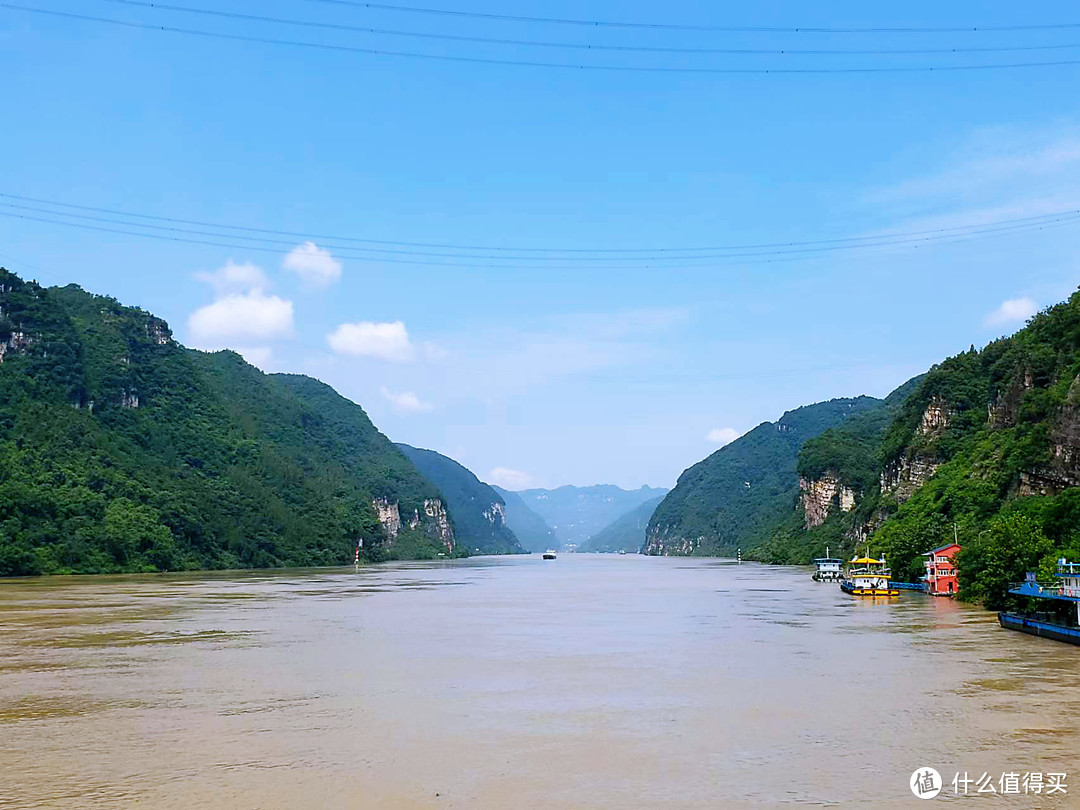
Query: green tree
(1000, 557)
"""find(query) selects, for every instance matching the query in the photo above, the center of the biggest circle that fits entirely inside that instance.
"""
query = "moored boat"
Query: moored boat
(867, 576)
(549, 555)
(827, 568)
(1059, 627)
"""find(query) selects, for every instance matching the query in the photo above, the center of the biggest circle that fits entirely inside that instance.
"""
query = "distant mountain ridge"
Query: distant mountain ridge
(477, 511)
(576, 513)
(626, 533)
(532, 532)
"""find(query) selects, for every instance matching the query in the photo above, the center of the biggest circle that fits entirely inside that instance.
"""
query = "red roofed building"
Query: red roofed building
(941, 570)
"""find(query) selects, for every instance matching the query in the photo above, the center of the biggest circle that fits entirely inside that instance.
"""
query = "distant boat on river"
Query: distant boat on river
(827, 568)
(549, 555)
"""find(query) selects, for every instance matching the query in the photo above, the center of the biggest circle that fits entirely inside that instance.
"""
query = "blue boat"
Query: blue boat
(1035, 627)
(1067, 591)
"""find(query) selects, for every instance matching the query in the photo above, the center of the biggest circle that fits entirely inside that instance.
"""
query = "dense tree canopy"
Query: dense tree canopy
(120, 450)
(1001, 452)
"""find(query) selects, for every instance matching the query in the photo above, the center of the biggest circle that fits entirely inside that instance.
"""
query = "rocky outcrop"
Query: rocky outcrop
(936, 417)
(1063, 469)
(158, 331)
(435, 517)
(389, 516)
(18, 343)
(1004, 407)
(434, 508)
(660, 542)
(903, 477)
(821, 495)
(496, 514)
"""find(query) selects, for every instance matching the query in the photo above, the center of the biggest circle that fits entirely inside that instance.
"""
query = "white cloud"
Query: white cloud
(434, 352)
(314, 265)
(510, 479)
(235, 278)
(722, 436)
(998, 159)
(405, 401)
(386, 341)
(258, 356)
(1015, 310)
(241, 317)
(997, 174)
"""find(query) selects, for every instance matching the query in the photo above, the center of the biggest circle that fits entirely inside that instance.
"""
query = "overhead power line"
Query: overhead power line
(501, 250)
(746, 29)
(730, 259)
(383, 254)
(742, 254)
(536, 63)
(532, 43)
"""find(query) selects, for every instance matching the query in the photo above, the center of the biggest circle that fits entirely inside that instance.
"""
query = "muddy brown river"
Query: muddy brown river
(587, 682)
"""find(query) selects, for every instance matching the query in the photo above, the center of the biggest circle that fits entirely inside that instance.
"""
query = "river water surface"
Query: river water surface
(589, 681)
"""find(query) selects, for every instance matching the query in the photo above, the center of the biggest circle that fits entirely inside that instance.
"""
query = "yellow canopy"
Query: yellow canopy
(865, 561)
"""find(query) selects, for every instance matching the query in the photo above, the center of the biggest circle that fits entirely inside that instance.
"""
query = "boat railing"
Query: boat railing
(1068, 569)
(1059, 591)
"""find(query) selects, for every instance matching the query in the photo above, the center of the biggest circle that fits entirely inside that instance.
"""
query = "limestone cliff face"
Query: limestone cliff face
(496, 514)
(1063, 469)
(18, 343)
(663, 542)
(902, 477)
(389, 516)
(158, 331)
(905, 475)
(1004, 406)
(434, 520)
(936, 417)
(821, 495)
(435, 509)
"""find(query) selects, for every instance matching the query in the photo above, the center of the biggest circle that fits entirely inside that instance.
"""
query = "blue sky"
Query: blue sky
(545, 372)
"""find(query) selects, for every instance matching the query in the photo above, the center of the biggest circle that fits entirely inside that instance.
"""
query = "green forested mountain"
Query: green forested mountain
(850, 450)
(477, 511)
(985, 447)
(120, 450)
(626, 533)
(738, 495)
(843, 459)
(531, 530)
(576, 513)
(988, 448)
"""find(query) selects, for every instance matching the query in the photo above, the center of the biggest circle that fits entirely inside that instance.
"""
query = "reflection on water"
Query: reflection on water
(612, 682)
